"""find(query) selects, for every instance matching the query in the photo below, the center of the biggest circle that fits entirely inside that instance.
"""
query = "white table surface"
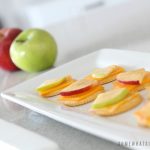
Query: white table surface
(134, 35)
(26, 140)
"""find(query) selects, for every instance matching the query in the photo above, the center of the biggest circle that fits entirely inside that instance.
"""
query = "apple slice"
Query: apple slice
(78, 87)
(50, 84)
(110, 98)
(103, 72)
(132, 77)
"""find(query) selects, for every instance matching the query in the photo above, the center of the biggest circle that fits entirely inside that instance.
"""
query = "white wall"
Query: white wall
(41, 13)
(123, 26)
(12, 11)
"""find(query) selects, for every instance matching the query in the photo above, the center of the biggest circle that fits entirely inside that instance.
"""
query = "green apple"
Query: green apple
(110, 98)
(50, 84)
(33, 50)
(103, 72)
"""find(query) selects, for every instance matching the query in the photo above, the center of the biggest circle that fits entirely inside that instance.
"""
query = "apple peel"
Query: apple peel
(78, 87)
(132, 77)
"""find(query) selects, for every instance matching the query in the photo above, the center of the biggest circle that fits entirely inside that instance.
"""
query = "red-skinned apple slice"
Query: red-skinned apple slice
(130, 82)
(132, 77)
(78, 87)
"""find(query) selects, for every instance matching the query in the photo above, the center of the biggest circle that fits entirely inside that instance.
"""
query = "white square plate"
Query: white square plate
(120, 128)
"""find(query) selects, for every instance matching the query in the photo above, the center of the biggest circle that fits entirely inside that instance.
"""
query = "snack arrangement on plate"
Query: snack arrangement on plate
(135, 80)
(80, 92)
(106, 75)
(53, 87)
(115, 101)
(122, 97)
(143, 114)
(148, 92)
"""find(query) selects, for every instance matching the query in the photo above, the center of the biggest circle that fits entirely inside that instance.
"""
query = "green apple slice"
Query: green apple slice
(110, 98)
(103, 72)
(50, 84)
(132, 77)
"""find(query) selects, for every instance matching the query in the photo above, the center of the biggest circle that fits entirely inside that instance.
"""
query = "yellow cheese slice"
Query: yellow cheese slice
(88, 99)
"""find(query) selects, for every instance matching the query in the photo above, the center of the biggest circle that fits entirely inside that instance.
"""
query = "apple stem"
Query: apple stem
(20, 41)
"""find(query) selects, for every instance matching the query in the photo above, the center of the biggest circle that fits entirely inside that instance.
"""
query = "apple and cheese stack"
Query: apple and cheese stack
(135, 80)
(115, 101)
(105, 75)
(143, 114)
(53, 87)
(80, 92)
(148, 92)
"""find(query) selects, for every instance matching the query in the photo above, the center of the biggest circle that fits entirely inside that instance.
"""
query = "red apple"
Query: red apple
(78, 87)
(7, 35)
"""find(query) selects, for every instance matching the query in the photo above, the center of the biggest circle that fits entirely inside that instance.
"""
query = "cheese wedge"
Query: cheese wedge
(81, 98)
(111, 76)
(143, 115)
(126, 104)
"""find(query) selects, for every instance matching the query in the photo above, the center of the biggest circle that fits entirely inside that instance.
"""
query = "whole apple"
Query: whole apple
(7, 35)
(34, 50)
